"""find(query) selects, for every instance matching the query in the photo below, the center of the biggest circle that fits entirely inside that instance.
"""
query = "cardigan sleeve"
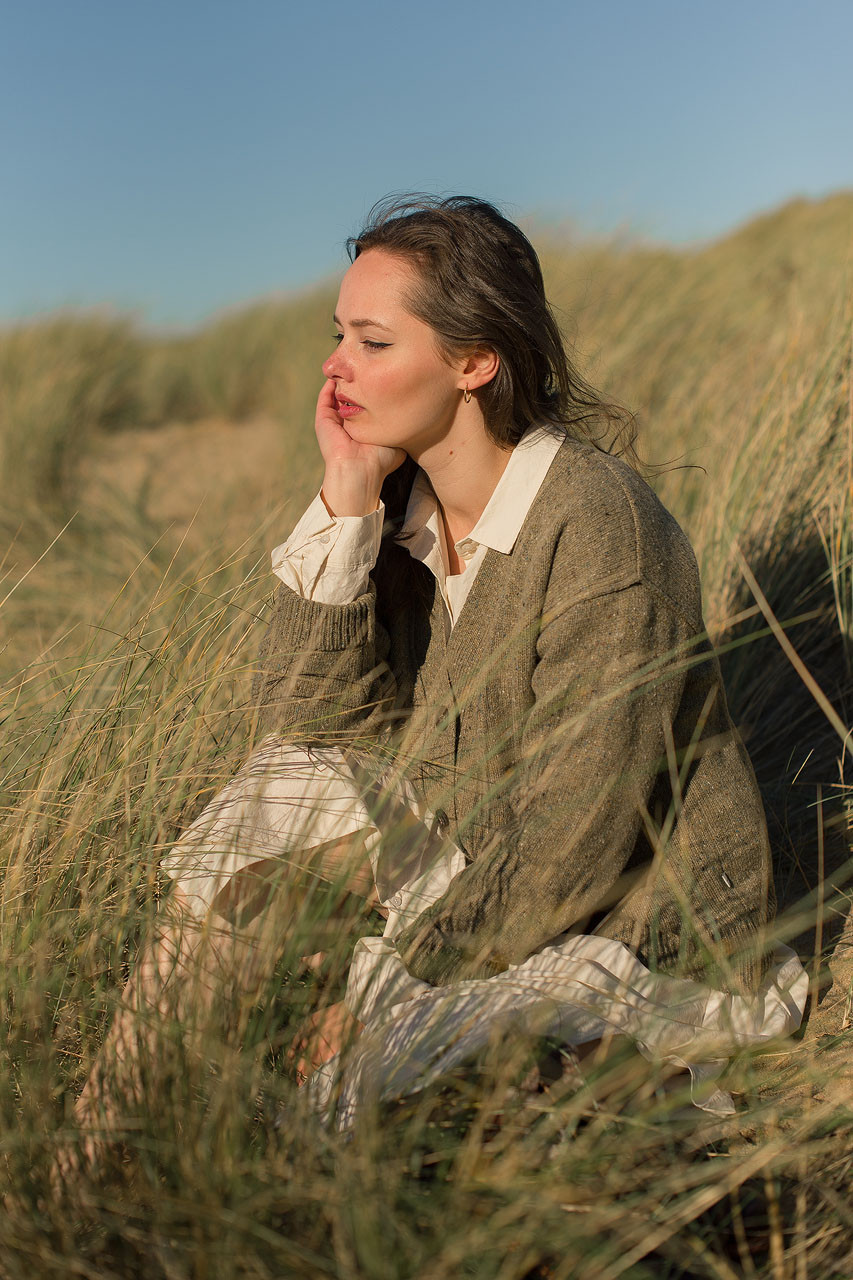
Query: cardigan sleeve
(323, 670)
(607, 686)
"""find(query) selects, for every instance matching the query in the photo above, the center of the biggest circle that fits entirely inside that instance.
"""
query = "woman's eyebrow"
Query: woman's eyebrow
(363, 324)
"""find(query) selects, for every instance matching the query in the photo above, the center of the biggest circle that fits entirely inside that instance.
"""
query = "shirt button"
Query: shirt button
(441, 820)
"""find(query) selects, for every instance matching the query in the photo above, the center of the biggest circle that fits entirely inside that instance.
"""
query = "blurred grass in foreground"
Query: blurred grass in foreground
(124, 674)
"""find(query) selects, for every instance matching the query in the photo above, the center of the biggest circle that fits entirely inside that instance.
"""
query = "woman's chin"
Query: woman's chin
(363, 434)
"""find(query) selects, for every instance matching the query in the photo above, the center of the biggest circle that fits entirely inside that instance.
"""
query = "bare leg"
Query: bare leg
(189, 961)
(179, 966)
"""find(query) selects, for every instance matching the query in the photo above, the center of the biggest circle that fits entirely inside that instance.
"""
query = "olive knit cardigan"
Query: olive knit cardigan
(571, 734)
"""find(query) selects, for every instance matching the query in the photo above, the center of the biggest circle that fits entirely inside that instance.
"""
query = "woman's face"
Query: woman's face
(392, 384)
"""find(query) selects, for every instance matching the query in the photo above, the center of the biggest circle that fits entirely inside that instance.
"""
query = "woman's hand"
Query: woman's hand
(325, 1034)
(354, 471)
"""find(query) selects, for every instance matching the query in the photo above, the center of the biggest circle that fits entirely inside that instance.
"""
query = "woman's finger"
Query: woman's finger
(326, 398)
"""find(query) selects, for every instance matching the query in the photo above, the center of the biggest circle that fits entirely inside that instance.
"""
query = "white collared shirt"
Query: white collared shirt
(328, 558)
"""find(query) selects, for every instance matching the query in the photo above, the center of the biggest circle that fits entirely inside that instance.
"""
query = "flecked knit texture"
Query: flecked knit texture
(571, 732)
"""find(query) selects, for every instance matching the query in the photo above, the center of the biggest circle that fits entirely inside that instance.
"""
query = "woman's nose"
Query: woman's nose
(336, 365)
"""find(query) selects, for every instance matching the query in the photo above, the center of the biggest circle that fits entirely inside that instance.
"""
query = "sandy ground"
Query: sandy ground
(173, 471)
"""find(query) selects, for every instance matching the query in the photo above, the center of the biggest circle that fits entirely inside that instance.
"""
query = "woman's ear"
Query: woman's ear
(480, 367)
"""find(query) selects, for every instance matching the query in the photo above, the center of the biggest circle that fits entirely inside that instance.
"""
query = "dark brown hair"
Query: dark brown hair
(480, 287)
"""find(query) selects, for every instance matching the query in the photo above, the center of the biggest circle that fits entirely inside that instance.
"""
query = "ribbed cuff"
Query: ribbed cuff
(433, 959)
(329, 627)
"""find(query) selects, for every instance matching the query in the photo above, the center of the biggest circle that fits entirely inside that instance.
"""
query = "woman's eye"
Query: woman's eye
(365, 342)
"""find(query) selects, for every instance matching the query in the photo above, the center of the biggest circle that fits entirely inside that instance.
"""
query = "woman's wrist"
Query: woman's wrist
(347, 493)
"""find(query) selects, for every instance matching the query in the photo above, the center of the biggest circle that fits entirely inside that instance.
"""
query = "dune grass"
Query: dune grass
(124, 685)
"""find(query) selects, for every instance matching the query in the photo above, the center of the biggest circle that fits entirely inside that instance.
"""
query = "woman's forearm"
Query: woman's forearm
(322, 671)
(351, 490)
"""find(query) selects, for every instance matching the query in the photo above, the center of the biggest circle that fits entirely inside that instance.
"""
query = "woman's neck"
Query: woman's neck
(464, 469)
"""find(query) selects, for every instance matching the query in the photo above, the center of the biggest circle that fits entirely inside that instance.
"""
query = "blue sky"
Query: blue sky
(179, 156)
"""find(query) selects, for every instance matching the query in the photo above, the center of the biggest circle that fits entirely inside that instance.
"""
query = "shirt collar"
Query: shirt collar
(506, 510)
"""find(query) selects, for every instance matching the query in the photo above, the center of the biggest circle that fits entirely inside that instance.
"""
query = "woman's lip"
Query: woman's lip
(347, 408)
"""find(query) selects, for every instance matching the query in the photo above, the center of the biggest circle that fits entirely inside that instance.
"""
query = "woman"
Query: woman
(488, 625)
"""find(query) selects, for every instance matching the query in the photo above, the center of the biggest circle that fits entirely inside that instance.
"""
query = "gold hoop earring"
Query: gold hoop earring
(467, 396)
